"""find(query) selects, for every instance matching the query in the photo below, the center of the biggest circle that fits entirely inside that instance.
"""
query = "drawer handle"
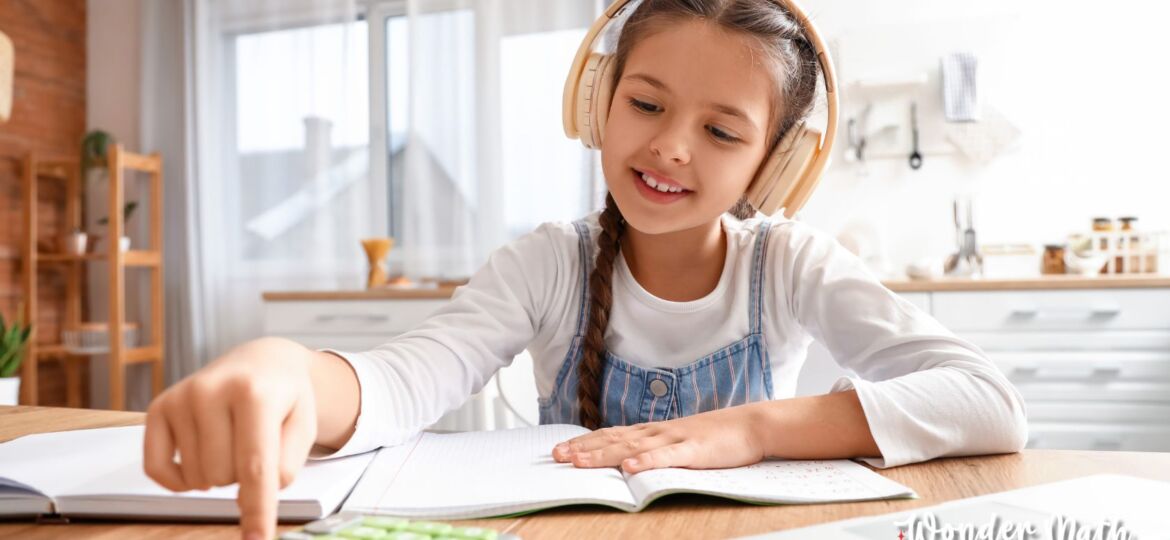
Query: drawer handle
(366, 318)
(1111, 371)
(1096, 373)
(1036, 313)
(1106, 444)
(1028, 371)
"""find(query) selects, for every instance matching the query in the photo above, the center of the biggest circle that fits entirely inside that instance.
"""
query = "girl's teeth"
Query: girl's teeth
(660, 187)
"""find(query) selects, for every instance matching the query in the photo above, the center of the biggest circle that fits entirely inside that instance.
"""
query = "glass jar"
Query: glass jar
(1103, 225)
(1132, 245)
(1053, 259)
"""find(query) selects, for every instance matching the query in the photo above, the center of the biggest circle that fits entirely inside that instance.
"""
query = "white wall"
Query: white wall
(113, 44)
(113, 82)
(1083, 82)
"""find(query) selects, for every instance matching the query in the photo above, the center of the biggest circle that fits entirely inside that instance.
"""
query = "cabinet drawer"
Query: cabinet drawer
(1093, 436)
(1099, 412)
(1094, 391)
(1060, 340)
(1096, 309)
(346, 317)
(1084, 366)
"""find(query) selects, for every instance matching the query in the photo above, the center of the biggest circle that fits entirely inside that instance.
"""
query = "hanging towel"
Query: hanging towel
(983, 141)
(959, 77)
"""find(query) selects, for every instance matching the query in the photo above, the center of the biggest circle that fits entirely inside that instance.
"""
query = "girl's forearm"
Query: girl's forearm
(337, 396)
(832, 426)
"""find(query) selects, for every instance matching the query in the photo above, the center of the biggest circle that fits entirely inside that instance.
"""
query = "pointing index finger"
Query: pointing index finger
(257, 454)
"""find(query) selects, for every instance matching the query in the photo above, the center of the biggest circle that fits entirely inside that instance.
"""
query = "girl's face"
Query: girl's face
(690, 111)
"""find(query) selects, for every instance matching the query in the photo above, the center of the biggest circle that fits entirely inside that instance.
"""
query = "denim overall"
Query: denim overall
(736, 374)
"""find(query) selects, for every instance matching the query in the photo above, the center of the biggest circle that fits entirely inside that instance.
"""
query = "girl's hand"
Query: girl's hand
(716, 439)
(248, 417)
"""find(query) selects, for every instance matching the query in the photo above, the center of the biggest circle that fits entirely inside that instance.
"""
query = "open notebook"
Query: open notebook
(495, 473)
(98, 473)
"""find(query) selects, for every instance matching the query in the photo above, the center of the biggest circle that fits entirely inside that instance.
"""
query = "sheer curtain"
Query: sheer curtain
(310, 124)
(475, 146)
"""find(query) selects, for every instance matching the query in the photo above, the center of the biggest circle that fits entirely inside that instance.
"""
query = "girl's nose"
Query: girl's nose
(671, 145)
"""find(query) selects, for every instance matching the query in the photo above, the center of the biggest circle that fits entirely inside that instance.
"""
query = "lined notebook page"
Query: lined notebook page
(484, 473)
(779, 481)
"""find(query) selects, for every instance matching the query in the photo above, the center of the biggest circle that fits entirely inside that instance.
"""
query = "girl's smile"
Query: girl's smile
(658, 188)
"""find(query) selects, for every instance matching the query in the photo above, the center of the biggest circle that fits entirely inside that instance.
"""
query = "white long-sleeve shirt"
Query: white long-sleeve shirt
(925, 392)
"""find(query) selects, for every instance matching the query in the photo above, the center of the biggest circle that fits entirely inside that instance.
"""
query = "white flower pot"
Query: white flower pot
(9, 390)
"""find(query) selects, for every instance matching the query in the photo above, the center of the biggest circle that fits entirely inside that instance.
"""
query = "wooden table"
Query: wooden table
(680, 516)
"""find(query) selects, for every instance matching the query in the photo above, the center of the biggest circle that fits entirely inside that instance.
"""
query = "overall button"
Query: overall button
(658, 388)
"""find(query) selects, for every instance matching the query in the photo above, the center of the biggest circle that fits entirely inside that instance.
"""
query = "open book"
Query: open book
(98, 473)
(495, 473)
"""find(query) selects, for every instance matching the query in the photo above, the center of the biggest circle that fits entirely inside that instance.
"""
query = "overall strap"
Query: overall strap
(756, 304)
(585, 252)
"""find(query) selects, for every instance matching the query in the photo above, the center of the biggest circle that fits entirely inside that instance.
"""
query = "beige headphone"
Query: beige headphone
(786, 178)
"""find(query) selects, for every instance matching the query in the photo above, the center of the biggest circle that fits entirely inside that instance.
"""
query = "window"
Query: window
(318, 115)
(299, 162)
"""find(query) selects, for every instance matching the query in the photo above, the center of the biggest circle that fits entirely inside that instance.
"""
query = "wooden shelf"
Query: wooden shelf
(117, 162)
(133, 355)
(130, 258)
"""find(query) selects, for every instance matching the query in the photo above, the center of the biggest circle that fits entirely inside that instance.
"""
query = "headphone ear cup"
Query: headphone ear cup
(782, 179)
(764, 181)
(604, 97)
(593, 94)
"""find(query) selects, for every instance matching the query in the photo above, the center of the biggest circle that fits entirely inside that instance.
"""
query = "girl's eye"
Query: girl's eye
(722, 135)
(643, 106)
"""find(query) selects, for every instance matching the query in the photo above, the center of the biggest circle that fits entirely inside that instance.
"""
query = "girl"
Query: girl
(677, 329)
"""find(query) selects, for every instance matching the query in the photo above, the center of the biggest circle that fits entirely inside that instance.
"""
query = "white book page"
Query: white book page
(482, 473)
(106, 464)
(56, 463)
(19, 501)
(771, 481)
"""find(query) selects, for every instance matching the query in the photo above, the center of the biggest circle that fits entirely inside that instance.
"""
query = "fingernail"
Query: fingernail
(562, 448)
(632, 462)
(255, 536)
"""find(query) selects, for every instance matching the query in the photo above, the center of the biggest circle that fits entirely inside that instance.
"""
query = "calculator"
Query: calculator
(353, 526)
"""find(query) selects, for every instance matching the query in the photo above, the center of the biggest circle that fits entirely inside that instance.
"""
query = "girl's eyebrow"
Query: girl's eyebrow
(719, 107)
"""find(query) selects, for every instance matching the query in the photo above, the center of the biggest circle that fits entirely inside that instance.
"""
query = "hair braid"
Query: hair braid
(600, 300)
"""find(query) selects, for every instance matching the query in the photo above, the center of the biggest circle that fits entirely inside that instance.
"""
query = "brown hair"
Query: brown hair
(793, 64)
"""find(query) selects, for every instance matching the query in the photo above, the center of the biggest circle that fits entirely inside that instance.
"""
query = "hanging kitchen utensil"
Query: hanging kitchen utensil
(854, 141)
(915, 156)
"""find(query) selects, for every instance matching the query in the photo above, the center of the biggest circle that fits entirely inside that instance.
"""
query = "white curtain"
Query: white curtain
(475, 106)
(307, 125)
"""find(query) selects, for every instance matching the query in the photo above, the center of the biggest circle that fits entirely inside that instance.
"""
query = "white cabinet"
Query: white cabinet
(1093, 365)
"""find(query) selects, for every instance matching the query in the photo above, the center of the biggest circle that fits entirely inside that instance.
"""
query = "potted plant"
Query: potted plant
(127, 211)
(94, 146)
(12, 343)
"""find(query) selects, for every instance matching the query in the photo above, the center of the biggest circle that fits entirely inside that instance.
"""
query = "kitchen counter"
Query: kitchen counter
(386, 293)
(1056, 282)
(903, 285)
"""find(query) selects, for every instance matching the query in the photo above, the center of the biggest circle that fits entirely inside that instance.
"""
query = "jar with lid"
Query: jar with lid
(1053, 260)
(1102, 224)
(1133, 245)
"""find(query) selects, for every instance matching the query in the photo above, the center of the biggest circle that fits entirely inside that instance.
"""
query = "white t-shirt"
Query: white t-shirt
(925, 392)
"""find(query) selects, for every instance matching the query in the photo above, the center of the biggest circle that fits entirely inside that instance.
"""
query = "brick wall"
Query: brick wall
(48, 115)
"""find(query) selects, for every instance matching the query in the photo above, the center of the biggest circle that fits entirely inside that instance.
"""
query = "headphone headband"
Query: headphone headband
(590, 67)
